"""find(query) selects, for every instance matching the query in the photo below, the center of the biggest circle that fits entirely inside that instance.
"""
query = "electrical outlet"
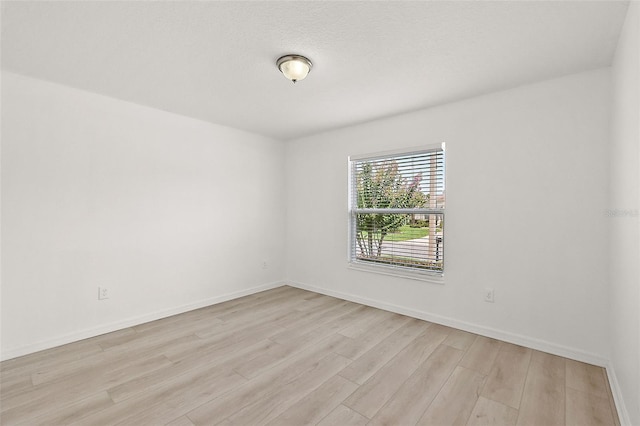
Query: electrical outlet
(103, 293)
(488, 295)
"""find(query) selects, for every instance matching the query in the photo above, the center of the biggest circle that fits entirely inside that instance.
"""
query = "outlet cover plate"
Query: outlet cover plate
(488, 295)
(103, 293)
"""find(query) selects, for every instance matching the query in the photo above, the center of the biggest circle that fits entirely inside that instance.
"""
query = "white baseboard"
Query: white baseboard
(493, 333)
(108, 328)
(623, 414)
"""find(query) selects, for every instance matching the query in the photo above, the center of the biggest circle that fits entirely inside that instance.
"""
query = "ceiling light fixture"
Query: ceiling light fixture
(294, 67)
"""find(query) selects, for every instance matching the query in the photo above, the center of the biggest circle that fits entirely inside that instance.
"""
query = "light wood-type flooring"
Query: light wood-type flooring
(291, 357)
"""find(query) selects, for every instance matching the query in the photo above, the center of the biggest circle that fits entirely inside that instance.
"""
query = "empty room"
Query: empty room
(320, 213)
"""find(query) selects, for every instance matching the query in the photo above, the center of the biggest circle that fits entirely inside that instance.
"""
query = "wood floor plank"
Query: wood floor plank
(370, 362)
(224, 341)
(181, 421)
(101, 362)
(315, 320)
(376, 332)
(266, 359)
(376, 391)
(318, 404)
(409, 403)
(269, 382)
(249, 318)
(455, 402)
(263, 359)
(313, 300)
(106, 340)
(275, 354)
(74, 412)
(174, 399)
(264, 307)
(587, 409)
(364, 321)
(15, 385)
(201, 361)
(50, 358)
(481, 354)
(510, 347)
(315, 308)
(274, 404)
(506, 379)
(332, 327)
(344, 416)
(271, 307)
(460, 339)
(73, 389)
(170, 323)
(159, 335)
(238, 330)
(153, 344)
(586, 378)
(544, 388)
(488, 412)
(221, 308)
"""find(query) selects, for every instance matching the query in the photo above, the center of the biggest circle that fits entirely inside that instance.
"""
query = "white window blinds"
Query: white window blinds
(397, 210)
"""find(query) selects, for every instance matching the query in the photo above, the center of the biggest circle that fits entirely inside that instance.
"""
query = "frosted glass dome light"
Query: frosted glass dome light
(294, 67)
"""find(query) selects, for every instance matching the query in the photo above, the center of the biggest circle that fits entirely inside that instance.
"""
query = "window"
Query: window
(397, 210)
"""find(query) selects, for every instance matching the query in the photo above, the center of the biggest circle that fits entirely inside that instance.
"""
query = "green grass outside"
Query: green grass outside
(406, 233)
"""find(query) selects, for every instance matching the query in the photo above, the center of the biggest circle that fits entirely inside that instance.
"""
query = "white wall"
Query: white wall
(168, 212)
(526, 194)
(624, 223)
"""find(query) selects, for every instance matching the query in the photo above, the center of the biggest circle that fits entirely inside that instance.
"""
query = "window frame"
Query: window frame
(403, 271)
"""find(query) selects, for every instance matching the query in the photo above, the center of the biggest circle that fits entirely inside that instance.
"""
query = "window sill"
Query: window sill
(433, 278)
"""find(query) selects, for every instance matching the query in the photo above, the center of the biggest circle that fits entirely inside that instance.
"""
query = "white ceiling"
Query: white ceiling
(216, 60)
